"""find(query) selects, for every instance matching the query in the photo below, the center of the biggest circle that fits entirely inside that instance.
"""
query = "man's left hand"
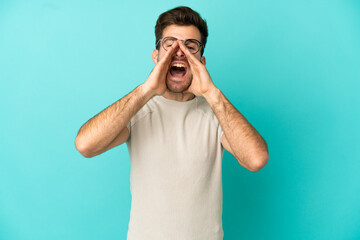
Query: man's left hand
(201, 83)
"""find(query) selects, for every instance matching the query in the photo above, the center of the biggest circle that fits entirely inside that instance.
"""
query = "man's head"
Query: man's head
(182, 16)
(180, 23)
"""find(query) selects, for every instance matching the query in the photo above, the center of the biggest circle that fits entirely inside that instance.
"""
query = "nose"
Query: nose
(179, 52)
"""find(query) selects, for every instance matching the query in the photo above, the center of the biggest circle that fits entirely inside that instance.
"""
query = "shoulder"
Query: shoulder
(143, 111)
(203, 106)
(205, 109)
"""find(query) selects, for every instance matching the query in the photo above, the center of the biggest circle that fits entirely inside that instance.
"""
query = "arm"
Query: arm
(108, 128)
(240, 138)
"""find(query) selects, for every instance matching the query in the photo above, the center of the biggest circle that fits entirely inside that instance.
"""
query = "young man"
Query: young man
(176, 126)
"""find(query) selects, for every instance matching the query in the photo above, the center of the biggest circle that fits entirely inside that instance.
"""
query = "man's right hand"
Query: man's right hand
(108, 128)
(156, 82)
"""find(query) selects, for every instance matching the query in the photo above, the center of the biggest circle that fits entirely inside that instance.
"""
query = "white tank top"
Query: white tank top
(175, 180)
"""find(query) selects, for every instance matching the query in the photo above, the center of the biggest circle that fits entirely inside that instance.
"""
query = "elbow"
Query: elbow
(259, 162)
(82, 149)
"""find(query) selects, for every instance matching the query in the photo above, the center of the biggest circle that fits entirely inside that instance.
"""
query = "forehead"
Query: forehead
(182, 32)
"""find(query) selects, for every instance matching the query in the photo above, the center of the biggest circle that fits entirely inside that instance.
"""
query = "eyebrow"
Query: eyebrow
(184, 40)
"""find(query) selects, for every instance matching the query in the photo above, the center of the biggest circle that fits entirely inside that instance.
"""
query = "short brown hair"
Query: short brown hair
(183, 16)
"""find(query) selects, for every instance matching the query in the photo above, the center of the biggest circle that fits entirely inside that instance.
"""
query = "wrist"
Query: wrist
(213, 95)
(146, 91)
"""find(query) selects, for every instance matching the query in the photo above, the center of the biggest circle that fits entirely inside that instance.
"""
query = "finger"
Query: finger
(192, 59)
(170, 52)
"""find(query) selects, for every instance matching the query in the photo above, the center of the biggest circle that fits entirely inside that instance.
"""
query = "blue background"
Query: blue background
(291, 67)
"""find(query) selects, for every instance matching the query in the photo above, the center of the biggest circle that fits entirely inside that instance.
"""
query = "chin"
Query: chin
(177, 85)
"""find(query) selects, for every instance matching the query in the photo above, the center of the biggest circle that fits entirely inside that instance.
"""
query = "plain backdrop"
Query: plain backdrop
(292, 68)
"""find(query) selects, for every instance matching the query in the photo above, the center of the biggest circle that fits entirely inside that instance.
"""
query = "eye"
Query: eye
(191, 45)
(168, 42)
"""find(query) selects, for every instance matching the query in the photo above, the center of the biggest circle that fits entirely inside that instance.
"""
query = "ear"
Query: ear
(154, 56)
(203, 60)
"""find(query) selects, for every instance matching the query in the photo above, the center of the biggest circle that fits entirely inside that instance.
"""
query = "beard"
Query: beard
(176, 85)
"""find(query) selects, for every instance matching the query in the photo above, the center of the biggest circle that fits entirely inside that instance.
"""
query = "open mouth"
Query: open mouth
(177, 70)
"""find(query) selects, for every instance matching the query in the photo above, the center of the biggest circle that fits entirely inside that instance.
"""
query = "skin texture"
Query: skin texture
(108, 129)
(176, 88)
(240, 138)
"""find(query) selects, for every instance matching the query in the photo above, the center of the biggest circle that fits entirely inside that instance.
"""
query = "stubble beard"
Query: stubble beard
(177, 87)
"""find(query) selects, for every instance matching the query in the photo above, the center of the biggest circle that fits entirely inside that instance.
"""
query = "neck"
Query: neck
(181, 97)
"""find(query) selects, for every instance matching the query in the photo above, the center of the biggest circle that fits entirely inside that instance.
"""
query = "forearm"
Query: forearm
(246, 143)
(102, 129)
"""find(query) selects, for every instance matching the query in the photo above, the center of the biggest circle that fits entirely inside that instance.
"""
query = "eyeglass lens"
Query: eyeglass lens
(190, 44)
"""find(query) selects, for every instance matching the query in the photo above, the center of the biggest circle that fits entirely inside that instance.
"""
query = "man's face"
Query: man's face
(179, 81)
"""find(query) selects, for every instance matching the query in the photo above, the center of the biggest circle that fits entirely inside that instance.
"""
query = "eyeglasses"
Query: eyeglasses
(192, 44)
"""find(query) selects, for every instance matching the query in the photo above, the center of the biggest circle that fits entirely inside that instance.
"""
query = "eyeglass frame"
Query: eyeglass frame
(184, 41)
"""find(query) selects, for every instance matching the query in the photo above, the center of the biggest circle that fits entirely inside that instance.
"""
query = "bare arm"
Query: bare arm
(100, 131)
(240, 138)
(108, 128)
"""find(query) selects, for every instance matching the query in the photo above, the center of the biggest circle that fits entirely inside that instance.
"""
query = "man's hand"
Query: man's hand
(201, 83)
(156, 81)
(240, 138)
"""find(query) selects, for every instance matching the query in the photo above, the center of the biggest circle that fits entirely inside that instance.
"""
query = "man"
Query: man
(176, 126)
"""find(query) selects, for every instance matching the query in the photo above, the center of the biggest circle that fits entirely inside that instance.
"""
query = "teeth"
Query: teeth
(178, 65)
